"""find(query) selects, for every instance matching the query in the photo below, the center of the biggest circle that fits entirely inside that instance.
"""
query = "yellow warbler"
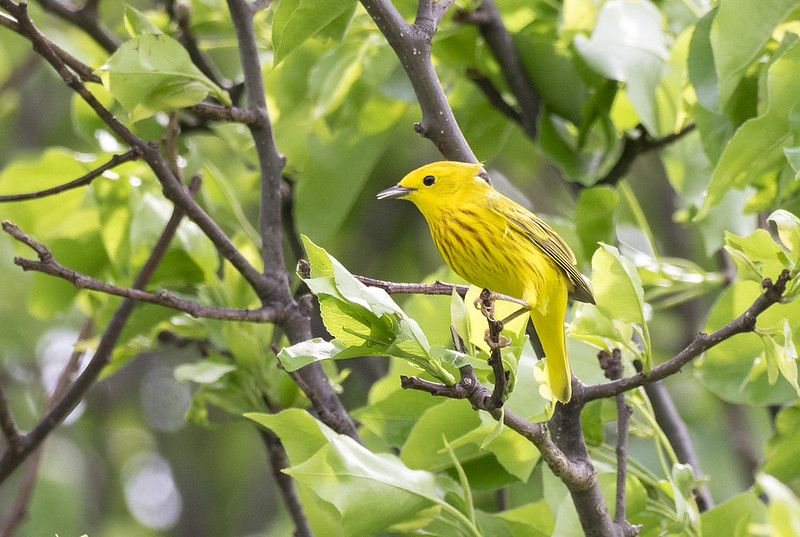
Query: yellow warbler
(495, 243)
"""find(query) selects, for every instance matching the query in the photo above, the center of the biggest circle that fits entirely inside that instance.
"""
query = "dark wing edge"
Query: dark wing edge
(554, 246)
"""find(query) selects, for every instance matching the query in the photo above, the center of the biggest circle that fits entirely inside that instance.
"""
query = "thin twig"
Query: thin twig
(47, 264)
(633, 146)
(225, 113)
(611, 364)
(84, 71)
(181, 12)
(746, 322)
(85, 18)
(101, 357)
(498, 39)
(115, 161)
(7, 422)
(19, 510)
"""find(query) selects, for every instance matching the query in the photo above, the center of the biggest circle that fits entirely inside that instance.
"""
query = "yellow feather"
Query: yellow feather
(495, 243)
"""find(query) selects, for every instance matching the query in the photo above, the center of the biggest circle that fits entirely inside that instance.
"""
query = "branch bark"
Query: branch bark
(73, 394)
(412, 45)
(746, 322)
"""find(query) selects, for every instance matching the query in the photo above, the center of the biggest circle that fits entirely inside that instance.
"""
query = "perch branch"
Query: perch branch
(87, 19)
(746, 322)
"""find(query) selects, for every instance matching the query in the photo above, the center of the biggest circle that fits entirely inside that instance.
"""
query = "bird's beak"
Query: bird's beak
(394, 192)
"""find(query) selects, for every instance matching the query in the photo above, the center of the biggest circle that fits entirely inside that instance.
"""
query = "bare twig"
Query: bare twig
(499, 41)
(412, 44)
(85, 72)
(633, 146)
(85, 18)
(496, 343)
(102, 355)
(278, 462)
(746, 322)
(19, 510)
(115, 161)
(611, 364)
(47, 264)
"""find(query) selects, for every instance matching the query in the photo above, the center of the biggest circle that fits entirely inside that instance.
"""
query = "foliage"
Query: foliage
(665, 152)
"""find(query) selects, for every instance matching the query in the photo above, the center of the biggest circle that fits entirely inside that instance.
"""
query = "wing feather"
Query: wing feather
(547, 240)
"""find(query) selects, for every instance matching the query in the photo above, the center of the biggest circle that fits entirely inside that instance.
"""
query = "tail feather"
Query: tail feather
(550, 329)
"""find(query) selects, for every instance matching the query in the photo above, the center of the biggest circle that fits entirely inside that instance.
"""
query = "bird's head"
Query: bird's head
(438, 183)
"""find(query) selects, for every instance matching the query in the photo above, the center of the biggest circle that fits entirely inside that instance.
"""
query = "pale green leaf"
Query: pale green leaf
(297, 20)
(153, 72)
(628, 44)
(757, 146)
(204, 372)
(788, 231)
(738, 40)
(137, 23)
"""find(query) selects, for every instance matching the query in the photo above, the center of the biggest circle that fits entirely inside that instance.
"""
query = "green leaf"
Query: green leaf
(595, 215)
(297, 20)
(618, 290)
(756, 148)
(783, 511)
(369, 491)
(424, 448)
(137, 23)
(628, 44)
(780, 357)
(788, 231)
(300, 433)
(393, 417)
(701, 64)
(731, 518)
(152, 73)
(204, 372)
(738, 40)
(782, 458)
(757, 256)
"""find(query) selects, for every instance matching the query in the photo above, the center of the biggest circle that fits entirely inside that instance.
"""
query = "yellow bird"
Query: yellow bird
(497, 244)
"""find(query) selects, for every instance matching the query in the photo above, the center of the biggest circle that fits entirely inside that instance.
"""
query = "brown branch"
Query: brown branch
(635, 146)
(47, 264)
(115, 161)
(225, 113)
(72, 395)
(173, 189)
(412, 45)
(19, 510)
(611, 364)
(87, 19)
(85, 72)
(493, 95)
(746, 322)
(487, 17)
(296, 325)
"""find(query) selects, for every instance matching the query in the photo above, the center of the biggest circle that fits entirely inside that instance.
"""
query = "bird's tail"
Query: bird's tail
(550, 329)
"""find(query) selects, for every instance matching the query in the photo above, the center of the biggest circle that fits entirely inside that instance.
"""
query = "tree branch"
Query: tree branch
(87, 19)
(116, 160)
(296, 325)
(73, 394)
(47, 264)
(487, 17)
(173, 189)
(85, 72)
(746, 322)
(412, 45)
(635, 146)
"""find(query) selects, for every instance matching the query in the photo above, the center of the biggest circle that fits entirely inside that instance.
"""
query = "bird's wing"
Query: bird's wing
(547, 240)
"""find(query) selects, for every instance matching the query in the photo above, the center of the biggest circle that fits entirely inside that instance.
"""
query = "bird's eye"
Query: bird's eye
(428, 180)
